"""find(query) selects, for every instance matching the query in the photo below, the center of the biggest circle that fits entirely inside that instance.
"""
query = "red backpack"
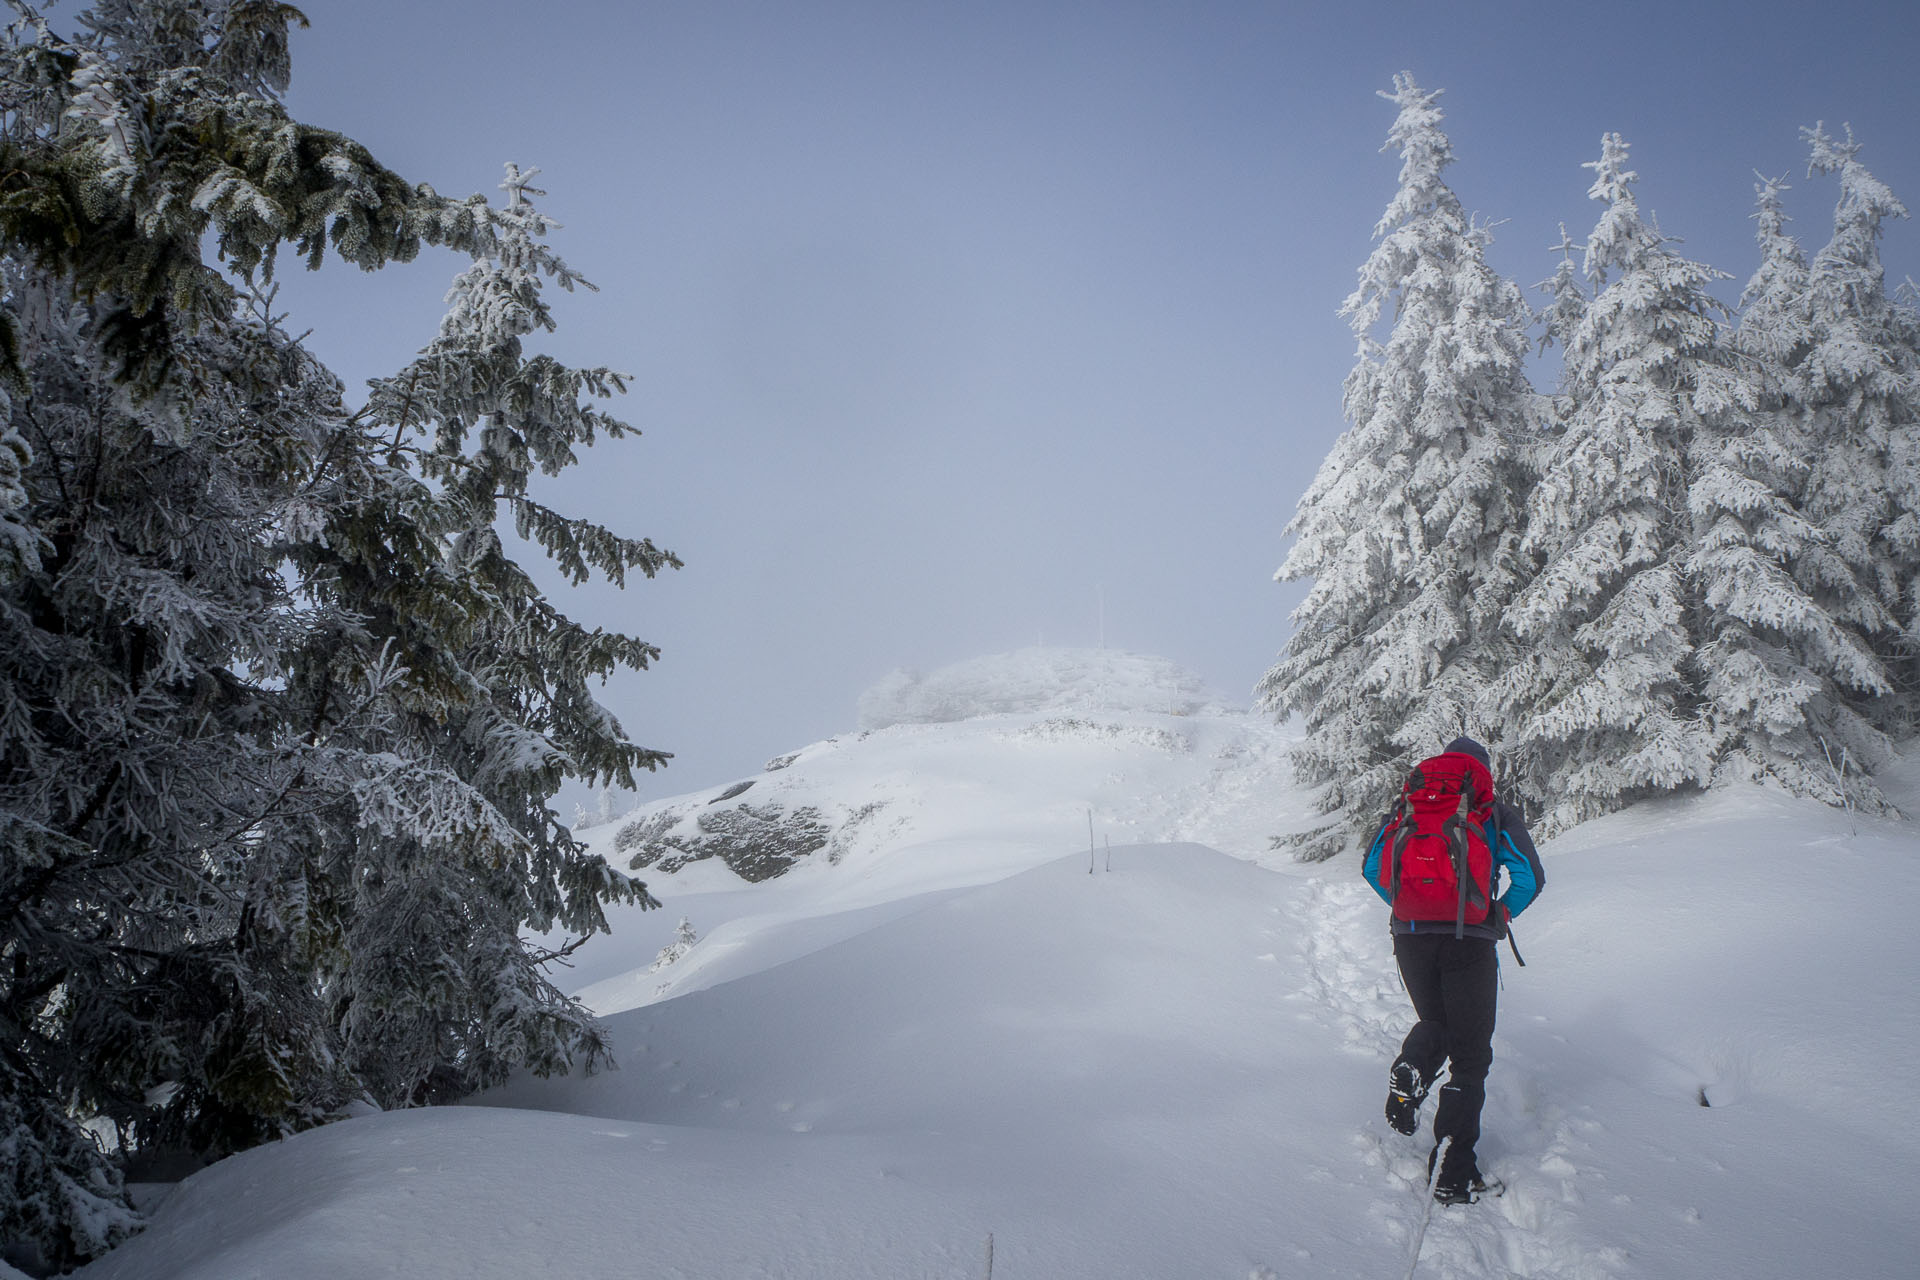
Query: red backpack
(1435, 858)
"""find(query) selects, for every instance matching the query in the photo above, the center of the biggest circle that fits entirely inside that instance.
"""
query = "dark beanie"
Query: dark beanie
(1467, 746)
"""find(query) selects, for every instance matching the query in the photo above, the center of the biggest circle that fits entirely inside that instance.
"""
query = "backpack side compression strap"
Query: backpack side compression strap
(1457, 839)
(1458, 844)
(1397, 849)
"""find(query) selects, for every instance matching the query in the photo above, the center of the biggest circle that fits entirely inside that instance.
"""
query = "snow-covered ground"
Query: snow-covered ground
(946, 1048)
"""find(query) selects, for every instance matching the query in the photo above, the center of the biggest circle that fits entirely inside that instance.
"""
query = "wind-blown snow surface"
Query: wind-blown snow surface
(1173, 1068)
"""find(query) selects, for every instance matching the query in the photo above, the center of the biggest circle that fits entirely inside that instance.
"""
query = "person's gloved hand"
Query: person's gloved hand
(1497, 917)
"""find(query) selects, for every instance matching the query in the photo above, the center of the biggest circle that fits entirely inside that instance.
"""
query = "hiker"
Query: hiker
(1445, 930)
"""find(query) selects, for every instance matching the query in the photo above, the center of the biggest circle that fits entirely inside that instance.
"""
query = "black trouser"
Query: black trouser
(1454, 983)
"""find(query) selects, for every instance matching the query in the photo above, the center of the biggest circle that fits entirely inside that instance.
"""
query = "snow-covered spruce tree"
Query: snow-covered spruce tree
(1601, 696)
(683, 939)
(279, 717)
(1776, 326)
(18, 549)
(1566, 296)
(1779, 667)
(1560, 319)
(460, 848)
(138, 766)
(1860, 383)
(1410, 529)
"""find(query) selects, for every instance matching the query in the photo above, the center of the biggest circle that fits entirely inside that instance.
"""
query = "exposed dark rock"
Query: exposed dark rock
(645, 836)
(737, 789)
(855, 819)
(757, 842)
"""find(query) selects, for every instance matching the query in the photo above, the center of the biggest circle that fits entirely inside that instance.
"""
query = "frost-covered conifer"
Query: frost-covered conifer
(1567, 297)
(1779, 671)
(497, 709)
(19, 547)
(683, 939)
(1567, 301)
(1410, 529)
(1860, 382)
(1599, 694)
(1776, 329)
(139, 761)
(280, 720)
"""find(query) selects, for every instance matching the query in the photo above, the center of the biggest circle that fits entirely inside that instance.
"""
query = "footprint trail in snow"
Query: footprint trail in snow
(1529, 1141)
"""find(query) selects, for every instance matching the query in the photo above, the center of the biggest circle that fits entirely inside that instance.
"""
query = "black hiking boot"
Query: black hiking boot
(1460, 1181)
(1405, 1093)
(1466, 1190)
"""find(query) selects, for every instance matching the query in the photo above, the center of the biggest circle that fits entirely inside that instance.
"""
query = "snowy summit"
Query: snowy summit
(1033, 681)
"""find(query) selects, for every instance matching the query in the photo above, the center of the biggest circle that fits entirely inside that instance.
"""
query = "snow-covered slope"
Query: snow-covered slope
(1128, 749)
(1169, 1069)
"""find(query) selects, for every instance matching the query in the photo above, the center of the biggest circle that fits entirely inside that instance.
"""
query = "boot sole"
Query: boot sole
(1403, 1105)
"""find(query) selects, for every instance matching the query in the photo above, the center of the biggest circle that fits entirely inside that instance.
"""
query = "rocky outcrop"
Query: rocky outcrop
(756, 841)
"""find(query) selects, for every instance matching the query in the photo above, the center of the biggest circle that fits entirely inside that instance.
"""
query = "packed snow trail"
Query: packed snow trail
(1346, 954)
(1689, 1077)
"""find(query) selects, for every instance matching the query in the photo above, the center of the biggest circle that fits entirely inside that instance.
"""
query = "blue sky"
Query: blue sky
(958, 327)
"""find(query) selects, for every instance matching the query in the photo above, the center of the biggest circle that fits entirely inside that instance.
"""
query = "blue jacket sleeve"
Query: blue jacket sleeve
(1513, 849)
(1371, 867)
